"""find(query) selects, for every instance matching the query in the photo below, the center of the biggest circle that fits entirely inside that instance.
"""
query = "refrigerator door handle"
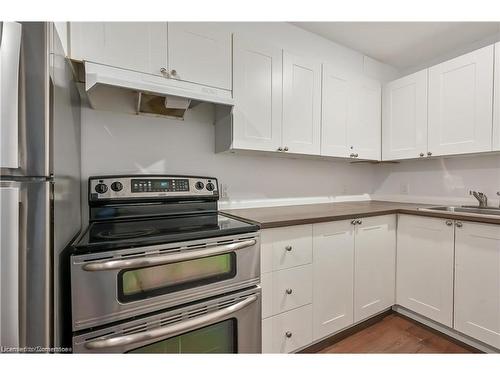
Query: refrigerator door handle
(9, 266)
(10, 53)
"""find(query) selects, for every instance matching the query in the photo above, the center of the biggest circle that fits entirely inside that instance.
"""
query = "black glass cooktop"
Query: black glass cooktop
(109, 235)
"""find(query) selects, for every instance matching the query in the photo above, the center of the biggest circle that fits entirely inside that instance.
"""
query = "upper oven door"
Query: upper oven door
(228, 324)
(119, 284)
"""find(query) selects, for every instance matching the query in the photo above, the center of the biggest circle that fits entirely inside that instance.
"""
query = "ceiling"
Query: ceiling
(404, 44)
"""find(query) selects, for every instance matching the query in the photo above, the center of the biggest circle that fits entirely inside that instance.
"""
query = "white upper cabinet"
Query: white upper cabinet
(138, 46)
(333, 277)
(364, 135)
(404, 117)
(351, 115)
(461, 104)
(496, 102)
(301, 105)
(336, 93)
(477, 281)
(257, 92)
(374, 266)
(200, 52)
(424, 282)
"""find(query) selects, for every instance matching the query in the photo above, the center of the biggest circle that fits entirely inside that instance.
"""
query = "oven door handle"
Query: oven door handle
(166, 259)
(170, 330)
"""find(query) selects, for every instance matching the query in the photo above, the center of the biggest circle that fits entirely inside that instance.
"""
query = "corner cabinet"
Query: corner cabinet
(404, 117)
(425, 251)
(351, 115)
(477, 281)
(461, 104)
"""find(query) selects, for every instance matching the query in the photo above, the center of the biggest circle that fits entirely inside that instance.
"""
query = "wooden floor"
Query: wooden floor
(396, 334)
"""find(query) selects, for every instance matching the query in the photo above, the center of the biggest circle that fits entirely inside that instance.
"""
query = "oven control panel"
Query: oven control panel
(133, 187)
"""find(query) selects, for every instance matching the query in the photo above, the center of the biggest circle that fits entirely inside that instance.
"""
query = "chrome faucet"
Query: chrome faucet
(481, 197)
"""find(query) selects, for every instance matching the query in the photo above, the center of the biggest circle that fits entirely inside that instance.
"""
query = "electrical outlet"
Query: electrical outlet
(404, 188)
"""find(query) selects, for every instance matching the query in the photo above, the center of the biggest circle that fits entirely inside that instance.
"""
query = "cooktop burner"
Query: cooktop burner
(108, 235)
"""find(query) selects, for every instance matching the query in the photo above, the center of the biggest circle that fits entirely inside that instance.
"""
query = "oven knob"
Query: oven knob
(200, 185)
(116, 186)
(101, 188)
(210, 186)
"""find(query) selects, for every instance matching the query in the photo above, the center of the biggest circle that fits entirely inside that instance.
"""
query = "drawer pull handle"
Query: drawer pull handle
(289, 291)
(288, 248)
(288, 334)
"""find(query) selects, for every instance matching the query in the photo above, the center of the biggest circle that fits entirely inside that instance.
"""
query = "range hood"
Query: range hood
(121, 90)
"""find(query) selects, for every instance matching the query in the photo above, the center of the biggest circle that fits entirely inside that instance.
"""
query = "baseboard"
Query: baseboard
(449, 332)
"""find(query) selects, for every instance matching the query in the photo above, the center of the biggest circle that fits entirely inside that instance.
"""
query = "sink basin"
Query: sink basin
(470, 210)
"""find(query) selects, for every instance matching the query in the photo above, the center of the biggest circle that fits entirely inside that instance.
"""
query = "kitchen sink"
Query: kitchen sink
(468, 210)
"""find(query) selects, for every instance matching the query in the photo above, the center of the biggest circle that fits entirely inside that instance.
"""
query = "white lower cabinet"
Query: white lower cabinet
(333, 277)
(425, 267)
(287, 332)
(477, 281)
(374, 265)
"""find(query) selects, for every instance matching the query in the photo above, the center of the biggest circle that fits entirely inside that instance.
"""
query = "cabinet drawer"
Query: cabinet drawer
(286, 247)
(291, 288)
(288, 332)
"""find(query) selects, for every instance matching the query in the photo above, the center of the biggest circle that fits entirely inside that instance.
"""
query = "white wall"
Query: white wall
(120, 144)
(438, 181)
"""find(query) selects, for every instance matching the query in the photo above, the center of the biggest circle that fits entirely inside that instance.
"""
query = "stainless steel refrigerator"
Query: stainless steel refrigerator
(39, 180)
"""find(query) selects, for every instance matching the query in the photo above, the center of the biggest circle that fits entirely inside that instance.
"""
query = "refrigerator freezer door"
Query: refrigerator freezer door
(9, 266)
(34, 273)
(10, 49)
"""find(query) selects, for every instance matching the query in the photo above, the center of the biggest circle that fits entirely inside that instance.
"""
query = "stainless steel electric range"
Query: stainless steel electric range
(160, 270)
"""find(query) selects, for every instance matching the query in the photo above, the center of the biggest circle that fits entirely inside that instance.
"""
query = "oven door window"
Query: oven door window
(216, 338)
(141, 283)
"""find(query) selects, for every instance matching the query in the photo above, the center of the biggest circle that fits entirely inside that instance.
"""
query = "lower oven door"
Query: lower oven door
(115, 285)
(228, 324)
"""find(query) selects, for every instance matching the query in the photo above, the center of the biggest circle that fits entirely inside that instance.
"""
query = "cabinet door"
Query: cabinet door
(496, 103)
(477, 282)
(461, 104)
(257, 92)
(301, 105)
(200, 52)
(364, 135)
(404, 117)
(425, 267)
(374, 266)
(336, 85)
(139, 46)
(333, 267)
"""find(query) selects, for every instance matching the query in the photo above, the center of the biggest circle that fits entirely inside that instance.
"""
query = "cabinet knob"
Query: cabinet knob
(164, 72)
(421, 154)
(449, 222)
(288, 248)
(359, 221)
(429, 153)
(280, 148)
(288, 334)
(286, 148)
(289, 291)
(353, 222)
(459, 224)
(173, 72)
